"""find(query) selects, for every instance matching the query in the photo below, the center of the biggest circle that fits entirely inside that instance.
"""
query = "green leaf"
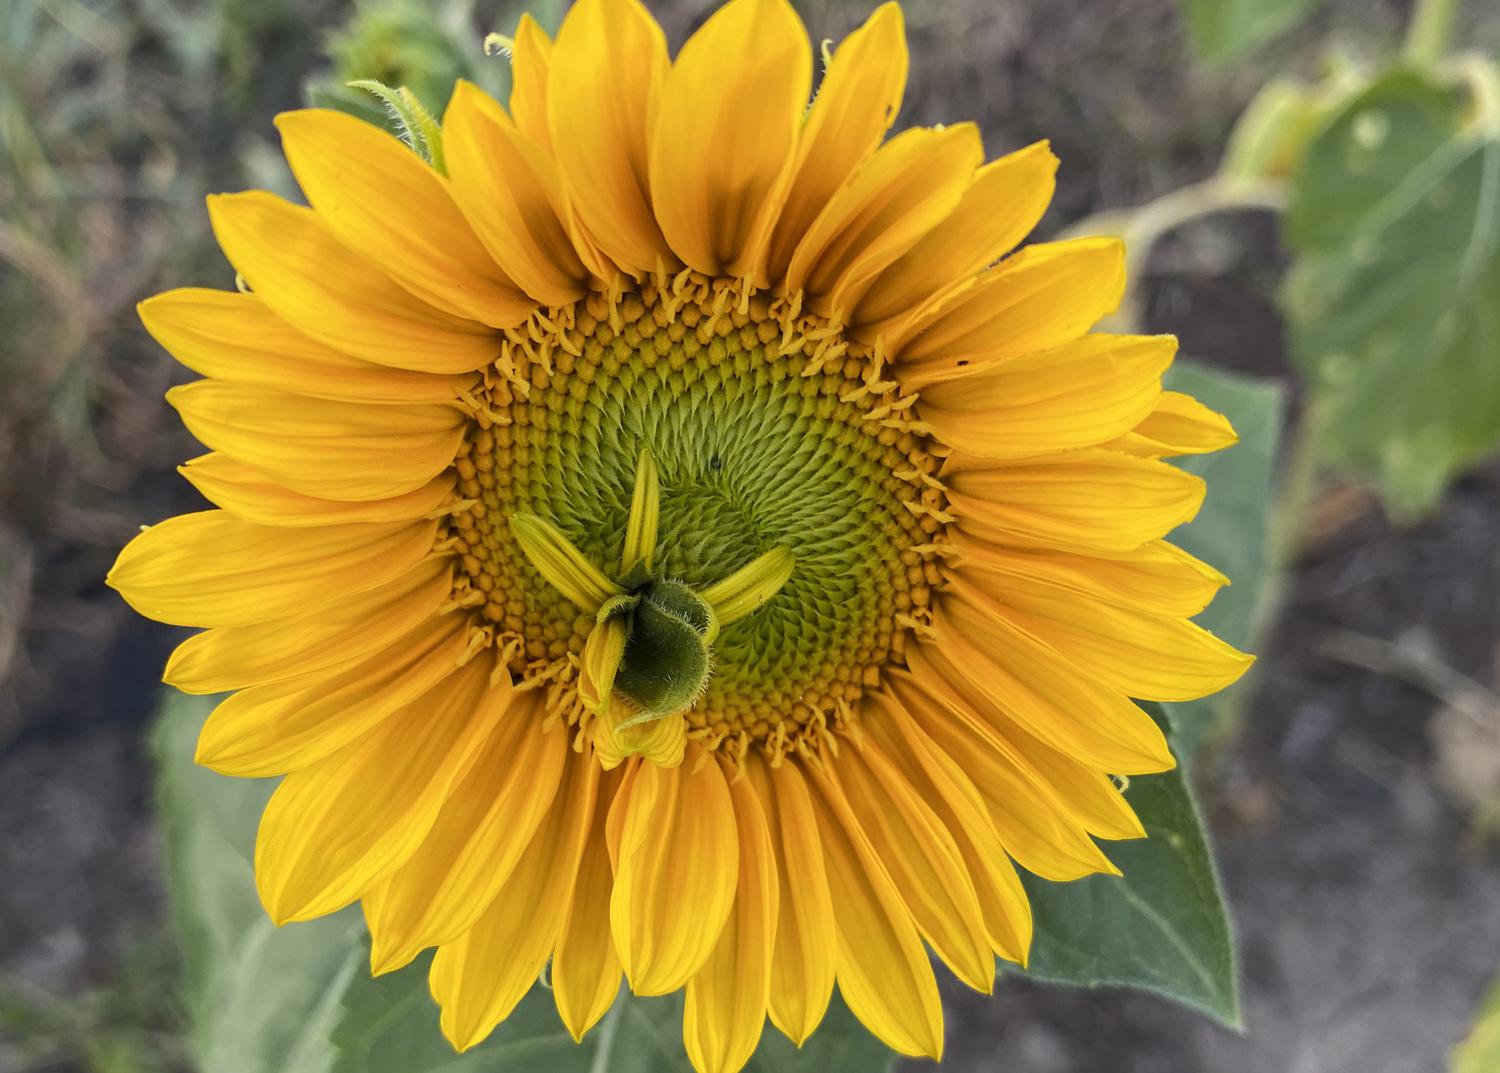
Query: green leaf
(1224, 30)
(1230, 531)
(1394, 299)
(390, 1025)
(1480, 1050)
(259, 999)
(1161, 926)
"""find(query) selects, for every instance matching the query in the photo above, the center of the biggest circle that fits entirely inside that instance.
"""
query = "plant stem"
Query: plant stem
(1430, 31)
(1141, 228)
(607, 1029)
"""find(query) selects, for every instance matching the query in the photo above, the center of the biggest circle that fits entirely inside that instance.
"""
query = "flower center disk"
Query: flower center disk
(769, 430)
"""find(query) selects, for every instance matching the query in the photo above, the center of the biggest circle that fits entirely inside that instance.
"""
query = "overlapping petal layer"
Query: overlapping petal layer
(428, 776)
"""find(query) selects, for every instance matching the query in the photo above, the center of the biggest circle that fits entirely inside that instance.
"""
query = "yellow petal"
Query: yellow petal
(901, 192)
(249, 494)
(1158, 577)
(1089, 795)
(923, 861)
(1032, 684)
(725, 1004)
(478, 838)
(383, 201)
(1153, 657)
(883, 971)
(606, 70)
(585, 967)
(602, 653)
(319, 447)
(724, 130)
(1039, 298)
(806, 953)
(1034, 830)
(1000, 207)
(478, 979)
(333, 829)
(950, 794)
(232, 657)
(663, 742)
(856, 104)
(511, 193)
(1076, 395)
(191, 570)
(676, 873)
(1179, 425)
(530, 62)
(1083, 500)
(280, 726)
(233, 336)
(314, 283)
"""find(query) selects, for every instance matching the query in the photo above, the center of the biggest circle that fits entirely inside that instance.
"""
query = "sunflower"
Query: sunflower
(669, 533)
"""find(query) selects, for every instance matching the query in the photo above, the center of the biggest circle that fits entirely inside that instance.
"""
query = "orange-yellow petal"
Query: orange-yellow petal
(317, 285)
(585, 967)
(248, 493)
(1076, 395)
(530, 64)
(856, 104)
(383, 201)
(319, 447)
(883, 971)
(1035, 686)
(806, 955)
(190, 570)
(510, 190)
(234, 336)
(923, 861)
(678, 862)
(901, 192)
(277, 727)
(721, 137)
(1041, 297)
(232, 657)
(725, 1003)
(324, 837)
(478, 979)
(478, 838)
(1178, 425)
(1083, 500)
(950, 794)
(1000, 207)
(606, 70)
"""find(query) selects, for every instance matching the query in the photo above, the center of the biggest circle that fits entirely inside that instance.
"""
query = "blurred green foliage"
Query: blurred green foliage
(1225, 30)
(1394, 299)
(1480, 1050)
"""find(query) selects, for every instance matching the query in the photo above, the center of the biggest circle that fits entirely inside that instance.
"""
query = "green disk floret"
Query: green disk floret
(765, 431)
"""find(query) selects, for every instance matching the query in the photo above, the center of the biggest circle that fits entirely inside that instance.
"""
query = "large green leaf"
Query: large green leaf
(259, 999)
(1230, 531)
(1223, 30)
(1161, 926)
(1394, 300)
(390, 1025)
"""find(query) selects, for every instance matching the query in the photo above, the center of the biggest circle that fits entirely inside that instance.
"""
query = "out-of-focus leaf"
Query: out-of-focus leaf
(1230, 531)
(1394, 300)
(1268, 139)
(1162, 926)
(1480, 1050)
(1224, 30)
(390, 1025)
(259, 999)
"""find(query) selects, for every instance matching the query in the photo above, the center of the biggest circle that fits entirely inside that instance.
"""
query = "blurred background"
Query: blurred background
(1353, 787)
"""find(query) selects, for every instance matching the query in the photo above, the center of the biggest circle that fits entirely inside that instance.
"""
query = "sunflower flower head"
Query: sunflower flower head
(678, 538)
